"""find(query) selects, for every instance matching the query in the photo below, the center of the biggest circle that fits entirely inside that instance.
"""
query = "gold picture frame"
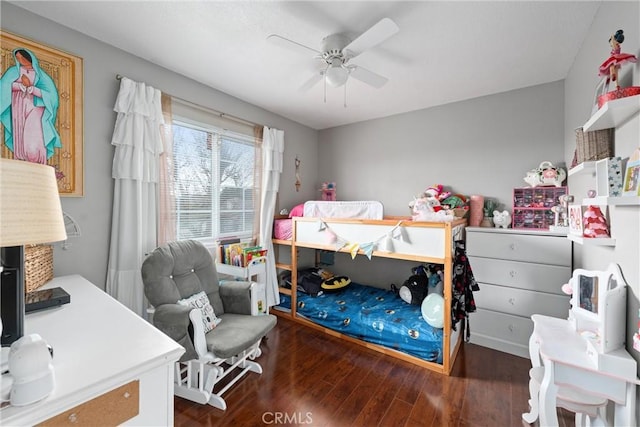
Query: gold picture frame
(56, 89)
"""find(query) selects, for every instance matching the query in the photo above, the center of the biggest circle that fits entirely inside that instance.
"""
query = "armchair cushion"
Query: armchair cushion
(237, 332)
(178, 270)
(236, 296)
(174, 321)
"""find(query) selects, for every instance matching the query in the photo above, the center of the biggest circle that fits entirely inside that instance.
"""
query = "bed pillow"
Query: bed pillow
(335, 284)
(201, 301)
(297, 211)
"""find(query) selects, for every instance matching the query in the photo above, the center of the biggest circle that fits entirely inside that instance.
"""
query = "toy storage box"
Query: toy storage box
(532, 207)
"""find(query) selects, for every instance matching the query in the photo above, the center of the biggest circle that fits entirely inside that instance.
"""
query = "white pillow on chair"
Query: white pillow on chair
(201, 301)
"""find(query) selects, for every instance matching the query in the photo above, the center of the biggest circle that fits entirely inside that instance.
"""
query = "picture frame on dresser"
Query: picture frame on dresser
(575, 220)
(632, 179)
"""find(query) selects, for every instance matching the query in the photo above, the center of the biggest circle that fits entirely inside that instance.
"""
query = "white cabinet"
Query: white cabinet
(111, 366)
(520, 273)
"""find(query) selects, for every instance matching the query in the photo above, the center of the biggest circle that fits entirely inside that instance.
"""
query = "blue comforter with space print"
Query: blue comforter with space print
(375, 315)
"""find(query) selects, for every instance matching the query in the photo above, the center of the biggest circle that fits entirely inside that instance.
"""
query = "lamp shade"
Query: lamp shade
(30, 210)
(336, 74)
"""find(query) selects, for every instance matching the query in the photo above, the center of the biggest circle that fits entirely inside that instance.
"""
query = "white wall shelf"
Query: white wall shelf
(583, 168)
(612, 201)
(613, 113)
(596, 241)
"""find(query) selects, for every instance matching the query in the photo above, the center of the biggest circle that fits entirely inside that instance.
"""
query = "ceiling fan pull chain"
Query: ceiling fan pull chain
(324, 79)
(345, 95)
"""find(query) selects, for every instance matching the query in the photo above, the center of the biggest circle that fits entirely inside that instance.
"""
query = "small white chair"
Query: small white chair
(590, 410)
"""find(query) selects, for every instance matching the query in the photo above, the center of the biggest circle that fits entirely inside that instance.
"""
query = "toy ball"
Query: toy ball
(433, 310)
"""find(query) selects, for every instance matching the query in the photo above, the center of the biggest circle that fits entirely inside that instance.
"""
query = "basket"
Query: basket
(38, 266)
(594, 145)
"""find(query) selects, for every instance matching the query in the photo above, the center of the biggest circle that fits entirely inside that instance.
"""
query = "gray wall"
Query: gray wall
(88, 254)
(579, 90)
(481, 146)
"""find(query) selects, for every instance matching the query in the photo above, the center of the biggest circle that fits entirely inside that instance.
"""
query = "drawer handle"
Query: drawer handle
(127, 395)
(512, 246)
(73, 418)
(511, 327)
(512, 301)
(512, 273)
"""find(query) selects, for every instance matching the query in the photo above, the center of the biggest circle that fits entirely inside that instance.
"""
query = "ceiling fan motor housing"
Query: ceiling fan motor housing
(332, 47)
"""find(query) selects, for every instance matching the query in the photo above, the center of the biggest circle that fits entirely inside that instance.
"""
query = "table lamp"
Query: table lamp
(30, 213)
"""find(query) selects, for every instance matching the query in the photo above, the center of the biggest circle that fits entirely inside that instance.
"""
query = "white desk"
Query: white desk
(564, 355)
(99, 345)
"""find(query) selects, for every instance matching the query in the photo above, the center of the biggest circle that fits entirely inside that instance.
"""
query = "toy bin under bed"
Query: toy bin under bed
(374, 315)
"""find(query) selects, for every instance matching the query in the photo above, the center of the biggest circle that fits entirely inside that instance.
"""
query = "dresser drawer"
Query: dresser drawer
(523, 275)
(520, 302)
(555, 250)
(501, 327)
(110, 409)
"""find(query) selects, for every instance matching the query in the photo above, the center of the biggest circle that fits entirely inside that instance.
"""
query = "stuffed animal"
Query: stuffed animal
(437, 191)
(502, 219)
(328, 191)
(414, 289)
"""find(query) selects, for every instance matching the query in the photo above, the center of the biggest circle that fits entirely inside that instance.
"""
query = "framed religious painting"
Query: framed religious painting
(41, 108)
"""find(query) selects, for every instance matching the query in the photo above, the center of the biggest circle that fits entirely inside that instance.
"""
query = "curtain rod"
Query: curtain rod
(219, 113)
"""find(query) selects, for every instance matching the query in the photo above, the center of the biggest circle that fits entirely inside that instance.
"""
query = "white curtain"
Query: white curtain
(272, 149)
(138, 145)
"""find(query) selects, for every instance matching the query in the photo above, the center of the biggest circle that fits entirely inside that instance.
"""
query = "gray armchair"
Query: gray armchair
(179, 270)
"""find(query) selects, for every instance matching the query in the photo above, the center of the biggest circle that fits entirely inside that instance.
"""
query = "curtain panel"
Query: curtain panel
(272, 153)
(138, 144)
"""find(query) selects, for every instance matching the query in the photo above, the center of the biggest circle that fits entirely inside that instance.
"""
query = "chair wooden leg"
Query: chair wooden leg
(195, 380)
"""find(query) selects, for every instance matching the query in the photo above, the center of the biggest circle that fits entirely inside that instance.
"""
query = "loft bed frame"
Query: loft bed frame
(427, 242)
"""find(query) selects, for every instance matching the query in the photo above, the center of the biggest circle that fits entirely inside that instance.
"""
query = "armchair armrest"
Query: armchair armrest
(174, 321)
(236, 296)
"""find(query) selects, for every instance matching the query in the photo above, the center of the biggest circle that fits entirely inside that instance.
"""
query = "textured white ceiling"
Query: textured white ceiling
(444, 52)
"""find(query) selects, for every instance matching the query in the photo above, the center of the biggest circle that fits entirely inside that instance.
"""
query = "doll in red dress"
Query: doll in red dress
(611, 66)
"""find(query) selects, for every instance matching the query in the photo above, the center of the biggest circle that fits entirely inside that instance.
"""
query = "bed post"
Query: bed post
(447, 293)
(294, 269)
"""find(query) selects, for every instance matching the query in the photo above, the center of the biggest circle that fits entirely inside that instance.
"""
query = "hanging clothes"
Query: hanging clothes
(464, 283)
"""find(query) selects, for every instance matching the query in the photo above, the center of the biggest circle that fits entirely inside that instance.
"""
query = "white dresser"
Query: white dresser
(111, 367)
(520, 273)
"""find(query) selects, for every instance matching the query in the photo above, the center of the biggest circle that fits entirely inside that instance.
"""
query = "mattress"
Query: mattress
(343, 209)
(374, 315)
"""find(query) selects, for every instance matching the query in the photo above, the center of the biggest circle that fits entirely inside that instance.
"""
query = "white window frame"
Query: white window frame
(216, 213)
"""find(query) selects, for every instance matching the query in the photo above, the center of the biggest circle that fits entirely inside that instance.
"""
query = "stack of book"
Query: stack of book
(237, 253)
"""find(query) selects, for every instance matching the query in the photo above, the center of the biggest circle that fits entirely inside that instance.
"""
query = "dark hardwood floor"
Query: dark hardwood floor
(313, 379)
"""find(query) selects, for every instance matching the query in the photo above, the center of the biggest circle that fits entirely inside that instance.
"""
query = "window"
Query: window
(213, 171)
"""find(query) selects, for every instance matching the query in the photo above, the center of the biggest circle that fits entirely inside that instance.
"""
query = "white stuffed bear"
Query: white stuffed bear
(502, 219)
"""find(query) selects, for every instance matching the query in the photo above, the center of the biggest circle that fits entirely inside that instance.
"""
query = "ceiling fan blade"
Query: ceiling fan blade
(312, 81)
(290, 44)
(375, 35)
(368, 77)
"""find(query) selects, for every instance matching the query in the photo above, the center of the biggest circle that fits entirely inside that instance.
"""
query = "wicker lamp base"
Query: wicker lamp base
(38, 266)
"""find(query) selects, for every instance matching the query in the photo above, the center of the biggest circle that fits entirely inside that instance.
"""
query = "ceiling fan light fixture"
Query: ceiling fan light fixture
(336, 74)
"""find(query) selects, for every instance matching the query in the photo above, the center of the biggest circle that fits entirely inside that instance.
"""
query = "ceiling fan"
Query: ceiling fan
(338, 50)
